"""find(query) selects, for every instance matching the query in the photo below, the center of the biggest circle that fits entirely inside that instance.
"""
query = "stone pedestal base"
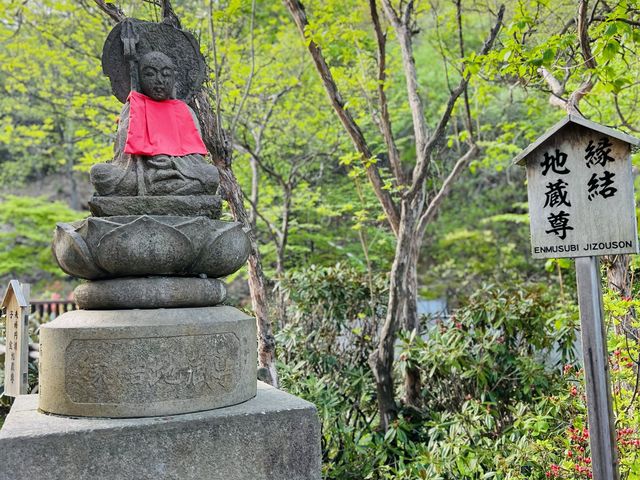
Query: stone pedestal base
(274, 436)
(139, 363)
(151, 292)
(190, 206)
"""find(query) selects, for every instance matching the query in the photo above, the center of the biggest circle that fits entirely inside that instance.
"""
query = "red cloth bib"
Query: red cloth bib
(161, 128)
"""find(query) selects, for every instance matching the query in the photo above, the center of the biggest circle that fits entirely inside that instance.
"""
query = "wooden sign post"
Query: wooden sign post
(17, 309)
(581, 205)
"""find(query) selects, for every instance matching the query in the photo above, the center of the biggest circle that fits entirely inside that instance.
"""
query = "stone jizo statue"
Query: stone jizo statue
(155, 239)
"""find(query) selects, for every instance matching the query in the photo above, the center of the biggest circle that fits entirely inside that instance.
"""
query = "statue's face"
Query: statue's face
(157, 76)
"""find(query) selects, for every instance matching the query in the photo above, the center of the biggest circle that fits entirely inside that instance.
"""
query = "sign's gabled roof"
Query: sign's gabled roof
(577, 119)
(14, 286)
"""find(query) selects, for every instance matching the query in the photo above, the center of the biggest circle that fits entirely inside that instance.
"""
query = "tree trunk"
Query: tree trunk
(401, 311)
(411, 322)
(221, 155)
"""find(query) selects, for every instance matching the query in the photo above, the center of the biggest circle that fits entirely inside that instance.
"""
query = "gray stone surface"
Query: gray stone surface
(135, 363)
(180, 205)
(141, 245)
(150, 292)
(274, 436)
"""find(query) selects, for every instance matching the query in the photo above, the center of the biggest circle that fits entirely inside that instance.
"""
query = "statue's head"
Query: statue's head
(157, 74)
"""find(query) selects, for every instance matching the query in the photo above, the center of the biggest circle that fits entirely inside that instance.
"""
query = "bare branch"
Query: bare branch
(112, 10)
(271, 228)
(557, 88)
(406, 15)
(435, 202)
(628, 21)
(403, 33)
(623, 120)
(168, 15)
(421, 168)
(255, 192)
(392, 15)
(267, 115)
(589, 60)
(567, 26)
(390, 208)
(467, 109)
(244, 148)
(214, 49)
(385, 121)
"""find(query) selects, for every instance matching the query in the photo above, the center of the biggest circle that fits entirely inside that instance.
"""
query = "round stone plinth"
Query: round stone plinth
(151, 292)
(142, 363)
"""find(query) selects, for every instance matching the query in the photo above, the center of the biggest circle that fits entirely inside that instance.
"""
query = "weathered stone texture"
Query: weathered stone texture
(141, 245)
(162, 368)
(151, 292)
(134, 363)
(179, 45)
(274, 436)
(185, 205)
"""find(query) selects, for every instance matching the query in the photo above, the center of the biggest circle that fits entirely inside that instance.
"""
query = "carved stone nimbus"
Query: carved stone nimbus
(179, 45)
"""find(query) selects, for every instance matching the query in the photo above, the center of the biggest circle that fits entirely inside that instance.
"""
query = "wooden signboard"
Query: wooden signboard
(16, 308)
(581, 205)
(580, 190)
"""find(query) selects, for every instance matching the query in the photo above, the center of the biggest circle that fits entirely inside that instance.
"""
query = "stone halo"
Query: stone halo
(179, 45)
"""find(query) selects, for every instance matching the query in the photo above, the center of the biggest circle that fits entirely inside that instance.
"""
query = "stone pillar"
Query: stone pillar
(140, 363)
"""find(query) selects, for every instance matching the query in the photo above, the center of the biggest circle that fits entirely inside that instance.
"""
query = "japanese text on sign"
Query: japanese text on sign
(581, 196)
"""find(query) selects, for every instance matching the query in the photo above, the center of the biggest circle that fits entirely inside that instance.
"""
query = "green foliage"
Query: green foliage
(323, 352)
(489, 397)
(25, 239)
(537, 35)
(494, 408)
(493, 349)
(56, 108)
(480, 236)
(337, 310)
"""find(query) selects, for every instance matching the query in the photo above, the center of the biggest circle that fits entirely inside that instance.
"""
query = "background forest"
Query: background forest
(377, 183)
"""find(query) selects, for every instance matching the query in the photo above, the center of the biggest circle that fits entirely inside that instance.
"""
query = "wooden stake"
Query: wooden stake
(602, 439)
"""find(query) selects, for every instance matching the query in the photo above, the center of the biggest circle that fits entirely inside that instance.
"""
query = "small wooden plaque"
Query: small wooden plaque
(580, 187)
(16, 381)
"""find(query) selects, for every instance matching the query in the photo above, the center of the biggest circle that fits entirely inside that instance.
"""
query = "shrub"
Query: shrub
(489, 398)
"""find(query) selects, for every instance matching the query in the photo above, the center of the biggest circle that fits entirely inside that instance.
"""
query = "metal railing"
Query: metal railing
(47, 310)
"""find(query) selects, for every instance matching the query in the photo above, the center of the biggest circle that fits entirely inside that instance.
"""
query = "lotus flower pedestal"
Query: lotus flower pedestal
(151, 338)
(177, 257)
